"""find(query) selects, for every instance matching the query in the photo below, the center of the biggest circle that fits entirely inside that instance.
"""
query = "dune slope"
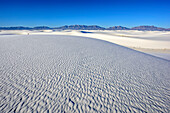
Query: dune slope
(73, 74)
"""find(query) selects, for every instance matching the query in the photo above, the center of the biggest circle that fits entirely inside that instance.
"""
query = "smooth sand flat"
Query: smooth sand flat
(48, 73)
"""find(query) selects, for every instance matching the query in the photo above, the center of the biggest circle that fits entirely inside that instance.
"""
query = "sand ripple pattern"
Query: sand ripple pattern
(76, 74)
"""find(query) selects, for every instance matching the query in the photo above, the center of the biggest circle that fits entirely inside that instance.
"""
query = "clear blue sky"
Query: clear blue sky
(104, 13)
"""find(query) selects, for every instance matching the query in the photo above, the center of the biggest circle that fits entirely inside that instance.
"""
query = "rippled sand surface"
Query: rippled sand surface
(41, 73)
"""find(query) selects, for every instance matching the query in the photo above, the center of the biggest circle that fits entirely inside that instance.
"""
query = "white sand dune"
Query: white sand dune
(49, 73)
(156, 43)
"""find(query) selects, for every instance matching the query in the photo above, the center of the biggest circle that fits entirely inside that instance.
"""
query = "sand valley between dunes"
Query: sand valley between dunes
(74, 71)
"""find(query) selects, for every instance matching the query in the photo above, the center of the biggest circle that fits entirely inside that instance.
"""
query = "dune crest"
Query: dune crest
(156, 43)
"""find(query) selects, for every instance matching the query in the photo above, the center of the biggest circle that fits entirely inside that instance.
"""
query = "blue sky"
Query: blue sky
(104, 13)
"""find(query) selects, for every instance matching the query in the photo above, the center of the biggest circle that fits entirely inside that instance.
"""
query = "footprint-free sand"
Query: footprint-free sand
(59, 73)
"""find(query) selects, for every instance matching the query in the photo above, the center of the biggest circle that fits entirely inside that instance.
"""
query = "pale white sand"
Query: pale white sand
(49, 73)
(145, 41)
(161, 53)
(138, 40)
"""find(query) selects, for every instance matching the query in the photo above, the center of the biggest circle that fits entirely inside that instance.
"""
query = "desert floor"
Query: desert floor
(51, 71)
(156, 43)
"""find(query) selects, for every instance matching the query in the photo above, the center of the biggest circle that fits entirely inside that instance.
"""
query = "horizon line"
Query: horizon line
(80, 25)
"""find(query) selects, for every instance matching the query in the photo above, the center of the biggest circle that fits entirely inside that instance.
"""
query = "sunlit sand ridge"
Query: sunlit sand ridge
(156, 43)
(49, 73)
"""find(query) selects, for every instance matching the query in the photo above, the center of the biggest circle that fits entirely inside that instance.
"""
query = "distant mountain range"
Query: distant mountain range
(81, 27)
(149, 28)
(85, 27)
(118, 28)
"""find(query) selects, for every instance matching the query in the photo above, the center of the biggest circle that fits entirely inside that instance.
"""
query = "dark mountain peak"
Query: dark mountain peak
(41, 28)
(148, 28)
(117, 28)
(81, 27)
